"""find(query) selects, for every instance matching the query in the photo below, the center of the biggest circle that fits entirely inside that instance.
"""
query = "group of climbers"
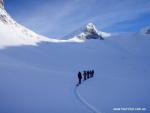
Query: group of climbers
(85, 75)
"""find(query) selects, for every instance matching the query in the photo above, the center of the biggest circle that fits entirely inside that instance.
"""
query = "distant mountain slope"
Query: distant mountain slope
(14, 34)
(88, 31)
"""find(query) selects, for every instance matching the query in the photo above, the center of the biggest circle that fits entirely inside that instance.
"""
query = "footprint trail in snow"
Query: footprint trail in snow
(83, 101)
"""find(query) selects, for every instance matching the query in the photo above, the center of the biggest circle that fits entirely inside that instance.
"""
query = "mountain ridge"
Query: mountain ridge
(88, 31)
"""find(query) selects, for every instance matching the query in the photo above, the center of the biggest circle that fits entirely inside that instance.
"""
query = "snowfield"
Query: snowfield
(42, 79)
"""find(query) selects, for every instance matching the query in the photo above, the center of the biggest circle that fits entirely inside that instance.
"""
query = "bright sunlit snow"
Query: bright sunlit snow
(14, 34)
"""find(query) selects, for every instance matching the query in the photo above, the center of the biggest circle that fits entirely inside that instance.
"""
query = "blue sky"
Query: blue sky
(56, 18)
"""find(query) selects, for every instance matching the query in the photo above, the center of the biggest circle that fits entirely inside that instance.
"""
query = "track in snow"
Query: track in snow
(83, 101)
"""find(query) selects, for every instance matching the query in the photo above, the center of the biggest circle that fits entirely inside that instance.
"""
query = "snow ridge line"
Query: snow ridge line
(84, 102)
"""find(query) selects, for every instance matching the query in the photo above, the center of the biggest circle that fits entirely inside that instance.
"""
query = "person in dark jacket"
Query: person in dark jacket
(85, 75)
(79, 77)
(88, 74)
(92, 73)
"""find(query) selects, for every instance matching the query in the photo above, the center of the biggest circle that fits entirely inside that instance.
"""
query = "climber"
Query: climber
(79, 77)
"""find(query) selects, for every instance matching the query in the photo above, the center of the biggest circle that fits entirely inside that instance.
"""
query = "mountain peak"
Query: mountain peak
(88, 31)
(90, 27)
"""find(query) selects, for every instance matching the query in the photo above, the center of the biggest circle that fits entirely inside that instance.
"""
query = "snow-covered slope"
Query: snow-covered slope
(14, 34)
(42, 79)
(88, 31)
